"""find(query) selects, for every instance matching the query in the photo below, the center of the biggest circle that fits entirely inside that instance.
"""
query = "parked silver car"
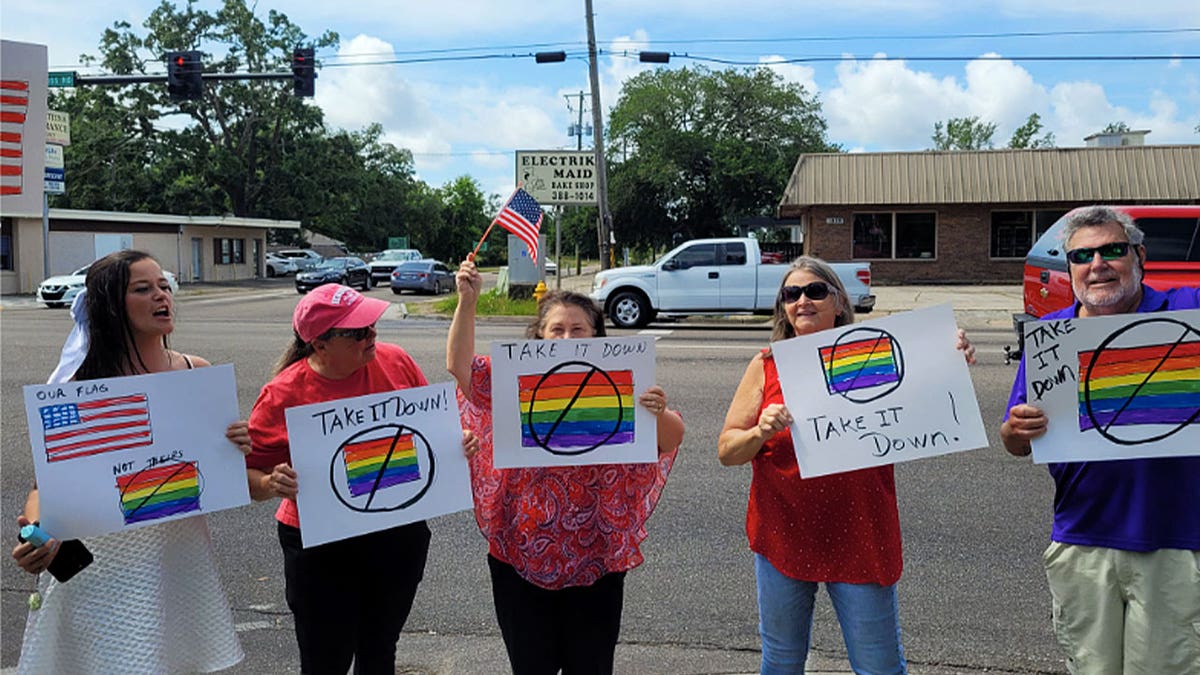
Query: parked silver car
(422, 276)
(305, 258)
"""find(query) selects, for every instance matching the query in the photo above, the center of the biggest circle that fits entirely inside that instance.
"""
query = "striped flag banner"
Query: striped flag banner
(80, 429)
(158, 492)
(14, 105)
(522, 216)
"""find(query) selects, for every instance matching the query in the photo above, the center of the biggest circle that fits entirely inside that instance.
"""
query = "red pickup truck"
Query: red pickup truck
(1172, 259)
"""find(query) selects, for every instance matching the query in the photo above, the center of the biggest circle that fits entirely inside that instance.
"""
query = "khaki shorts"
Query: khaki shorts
(1124, 612)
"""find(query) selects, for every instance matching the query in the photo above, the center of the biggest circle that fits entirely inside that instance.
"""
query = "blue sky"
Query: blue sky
(467, 117)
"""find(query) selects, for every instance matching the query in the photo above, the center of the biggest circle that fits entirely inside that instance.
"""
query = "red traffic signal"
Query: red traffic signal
(184, 70)
(304, 72)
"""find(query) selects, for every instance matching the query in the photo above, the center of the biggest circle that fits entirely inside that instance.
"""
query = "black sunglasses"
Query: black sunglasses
(1111, 251)
(359, 334)
(817, 290)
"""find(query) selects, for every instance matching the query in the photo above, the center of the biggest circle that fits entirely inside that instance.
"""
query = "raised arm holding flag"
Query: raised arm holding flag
(522, 216)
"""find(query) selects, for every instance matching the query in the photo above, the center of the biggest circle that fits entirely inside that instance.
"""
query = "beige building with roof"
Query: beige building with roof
(195, 248)
(968, 216)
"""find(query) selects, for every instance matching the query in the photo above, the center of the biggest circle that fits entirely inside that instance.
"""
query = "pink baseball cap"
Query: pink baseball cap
(335, 306)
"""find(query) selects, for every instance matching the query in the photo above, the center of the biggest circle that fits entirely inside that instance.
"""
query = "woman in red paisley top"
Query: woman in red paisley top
(560, 539)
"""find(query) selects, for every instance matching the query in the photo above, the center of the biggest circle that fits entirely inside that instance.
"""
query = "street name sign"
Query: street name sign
(62, 78)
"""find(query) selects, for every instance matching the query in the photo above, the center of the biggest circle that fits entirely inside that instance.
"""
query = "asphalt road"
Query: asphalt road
(973, 596)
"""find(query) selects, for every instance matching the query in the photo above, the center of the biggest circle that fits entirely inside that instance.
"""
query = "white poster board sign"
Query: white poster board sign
(373, 462)
(880, 392)
(23, 86)
(120, 453)
(1115, 387)
(572, 402)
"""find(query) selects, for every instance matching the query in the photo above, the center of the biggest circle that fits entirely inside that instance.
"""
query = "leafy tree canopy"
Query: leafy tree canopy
(963, 133)
(693, 150)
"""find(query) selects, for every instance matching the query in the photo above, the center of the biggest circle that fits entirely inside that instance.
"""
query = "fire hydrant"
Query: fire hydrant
(539, 291)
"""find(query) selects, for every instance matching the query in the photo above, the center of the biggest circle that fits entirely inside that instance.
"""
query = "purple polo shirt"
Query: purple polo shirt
(1129, 504)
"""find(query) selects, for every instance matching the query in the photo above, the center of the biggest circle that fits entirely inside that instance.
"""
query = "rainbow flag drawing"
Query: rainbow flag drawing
(1156, 384)
(860, 364)
(379, 463)
(578, 409)
(160, 491)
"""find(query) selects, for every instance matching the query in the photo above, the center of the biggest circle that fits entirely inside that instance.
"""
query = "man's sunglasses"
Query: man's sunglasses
(359, 334)
(1113, 251)
(817, 290)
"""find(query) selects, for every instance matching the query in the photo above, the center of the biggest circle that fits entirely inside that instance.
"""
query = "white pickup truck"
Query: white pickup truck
(710, 276)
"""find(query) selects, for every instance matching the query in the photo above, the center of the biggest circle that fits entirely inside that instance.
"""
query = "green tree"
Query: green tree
(464, 218)
(1026, 135)
(963, 133)
(693, 150)
(1118, 127)
(239, 129)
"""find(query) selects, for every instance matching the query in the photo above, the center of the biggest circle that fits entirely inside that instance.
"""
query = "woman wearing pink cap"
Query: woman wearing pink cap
(333, 356)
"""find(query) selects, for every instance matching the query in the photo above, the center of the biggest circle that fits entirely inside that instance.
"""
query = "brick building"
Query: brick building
(968, 216)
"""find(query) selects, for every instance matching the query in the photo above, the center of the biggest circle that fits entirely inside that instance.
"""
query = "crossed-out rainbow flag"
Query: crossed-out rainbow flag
(860, 364)
(160, 491)
(366, 460)
(576, 409)
(1157, 384)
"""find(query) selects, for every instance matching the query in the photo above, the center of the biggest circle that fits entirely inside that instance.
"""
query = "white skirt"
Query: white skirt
(151, 602)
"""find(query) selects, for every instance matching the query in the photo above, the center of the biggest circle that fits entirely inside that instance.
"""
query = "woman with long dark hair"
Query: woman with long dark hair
(152, 601)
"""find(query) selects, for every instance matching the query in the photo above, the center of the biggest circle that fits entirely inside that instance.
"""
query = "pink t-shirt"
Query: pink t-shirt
(298, 384)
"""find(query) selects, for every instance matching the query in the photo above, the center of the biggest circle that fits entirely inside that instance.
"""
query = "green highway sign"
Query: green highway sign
(62, 78)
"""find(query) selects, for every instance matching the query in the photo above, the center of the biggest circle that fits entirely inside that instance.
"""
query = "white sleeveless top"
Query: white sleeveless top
(151, 602)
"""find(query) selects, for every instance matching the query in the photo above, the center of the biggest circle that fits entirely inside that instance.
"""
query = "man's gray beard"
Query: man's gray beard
(1126, 293)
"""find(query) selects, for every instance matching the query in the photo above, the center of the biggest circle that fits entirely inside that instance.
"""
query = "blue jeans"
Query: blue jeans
(868, 613)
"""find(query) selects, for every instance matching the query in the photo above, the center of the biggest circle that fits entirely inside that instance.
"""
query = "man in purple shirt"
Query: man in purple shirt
(1124, 561)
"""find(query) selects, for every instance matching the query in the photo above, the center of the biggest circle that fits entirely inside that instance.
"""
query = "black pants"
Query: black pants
(350, 598)
(574, 629)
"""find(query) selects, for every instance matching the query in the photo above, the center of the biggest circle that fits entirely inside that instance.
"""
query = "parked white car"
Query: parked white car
(278, 265)
(305, 258)
(60, 291)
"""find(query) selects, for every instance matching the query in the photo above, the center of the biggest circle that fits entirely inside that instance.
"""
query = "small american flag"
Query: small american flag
(14, 103)
(522, 216)
(92, 427)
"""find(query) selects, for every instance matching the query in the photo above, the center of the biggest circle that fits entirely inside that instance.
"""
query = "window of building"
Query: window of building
(229, 251)
(1013, 232)
(895, 235)
(6, 255)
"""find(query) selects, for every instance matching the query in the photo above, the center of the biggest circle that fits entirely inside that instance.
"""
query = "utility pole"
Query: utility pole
(579, 124)
(605, 224)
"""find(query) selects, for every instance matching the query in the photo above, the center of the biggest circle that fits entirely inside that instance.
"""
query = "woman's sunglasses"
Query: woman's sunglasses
(817, 290)
(359, 334)
(1113, 251)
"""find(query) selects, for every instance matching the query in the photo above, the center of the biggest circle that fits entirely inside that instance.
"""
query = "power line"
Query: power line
(980, 57)
(389, 58)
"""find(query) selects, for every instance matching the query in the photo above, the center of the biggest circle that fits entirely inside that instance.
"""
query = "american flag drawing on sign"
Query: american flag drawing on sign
(522, 216)
(14, 102)
(92, 427)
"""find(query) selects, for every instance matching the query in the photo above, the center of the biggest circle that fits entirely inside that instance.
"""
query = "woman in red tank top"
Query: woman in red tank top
(842, 529)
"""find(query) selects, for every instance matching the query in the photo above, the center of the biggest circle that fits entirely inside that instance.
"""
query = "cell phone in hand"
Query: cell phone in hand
(71, 558)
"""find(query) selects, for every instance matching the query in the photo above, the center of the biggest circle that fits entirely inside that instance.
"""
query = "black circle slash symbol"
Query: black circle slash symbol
(420, 444)
(877, 336)
(589, 370)
(1104, 429)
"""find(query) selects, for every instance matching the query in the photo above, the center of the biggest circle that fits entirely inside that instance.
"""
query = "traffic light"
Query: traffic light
(303, 71)
(183, 75)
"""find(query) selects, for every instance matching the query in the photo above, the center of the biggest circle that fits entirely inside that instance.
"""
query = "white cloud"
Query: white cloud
(804, 76)
(887, 105)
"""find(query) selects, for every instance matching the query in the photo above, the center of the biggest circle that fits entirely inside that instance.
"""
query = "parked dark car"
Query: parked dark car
(344, 270)
(422, 276)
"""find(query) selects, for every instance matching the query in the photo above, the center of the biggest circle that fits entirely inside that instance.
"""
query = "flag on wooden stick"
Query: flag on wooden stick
(522, 216)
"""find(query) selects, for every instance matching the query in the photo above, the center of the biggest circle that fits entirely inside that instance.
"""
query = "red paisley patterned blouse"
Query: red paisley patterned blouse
(558, 526)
